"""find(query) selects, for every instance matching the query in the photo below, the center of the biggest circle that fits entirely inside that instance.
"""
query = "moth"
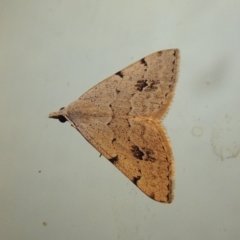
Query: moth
(121, 117)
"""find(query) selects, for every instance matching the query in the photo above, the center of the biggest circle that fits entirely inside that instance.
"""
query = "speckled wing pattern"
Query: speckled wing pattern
(121, 117)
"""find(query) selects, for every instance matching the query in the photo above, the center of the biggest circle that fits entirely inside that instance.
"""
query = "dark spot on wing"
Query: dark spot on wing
(160, 53)
(117, 91)
(153, 86)
(119, 74)
(141, 84)
(149, 155)
(62, 108)
(152, 196)
(136, 179)
(113, 140)
(143, 62)
(169, 196)
(137, 153)
(113, 160)
(130, 109)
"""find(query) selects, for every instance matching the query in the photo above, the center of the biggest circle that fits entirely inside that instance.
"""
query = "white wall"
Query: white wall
(53, 184)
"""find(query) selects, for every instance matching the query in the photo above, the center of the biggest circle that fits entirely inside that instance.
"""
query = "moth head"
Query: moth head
(60, 115)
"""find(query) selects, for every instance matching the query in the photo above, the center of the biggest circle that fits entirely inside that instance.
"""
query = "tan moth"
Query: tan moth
(121, 117)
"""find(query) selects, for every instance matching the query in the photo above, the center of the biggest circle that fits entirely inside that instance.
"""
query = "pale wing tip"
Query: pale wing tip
(176, 53)
(53, 115)
(58, 115)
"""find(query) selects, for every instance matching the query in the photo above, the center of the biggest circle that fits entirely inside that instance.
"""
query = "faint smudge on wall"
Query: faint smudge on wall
(225, 140)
